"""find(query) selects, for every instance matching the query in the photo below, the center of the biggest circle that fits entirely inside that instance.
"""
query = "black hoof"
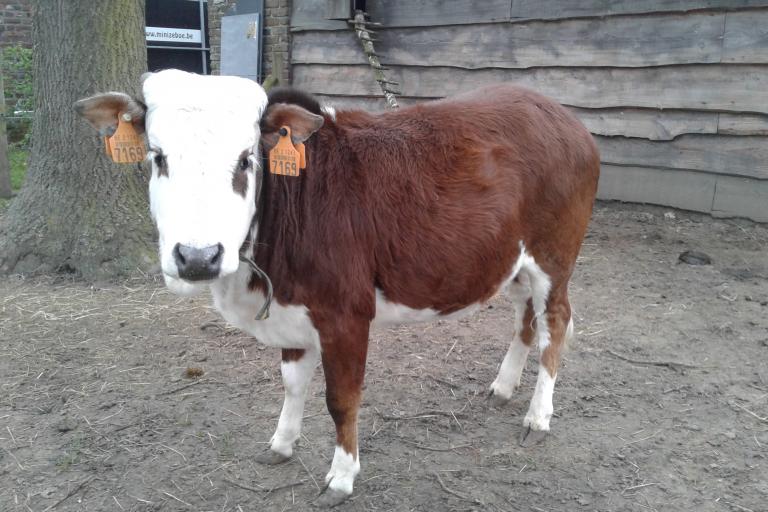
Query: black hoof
(271, 458)
(532, 437)
(329, 498)
(496, 401)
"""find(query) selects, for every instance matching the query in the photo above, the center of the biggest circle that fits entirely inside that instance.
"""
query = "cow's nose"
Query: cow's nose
(198, 264)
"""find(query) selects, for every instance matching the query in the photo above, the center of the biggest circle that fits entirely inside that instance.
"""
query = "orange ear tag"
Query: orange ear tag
(125, 146)
(302, 155)
(284, 158)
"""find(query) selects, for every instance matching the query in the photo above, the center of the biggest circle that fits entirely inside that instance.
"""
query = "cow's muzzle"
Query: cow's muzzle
(198, 264)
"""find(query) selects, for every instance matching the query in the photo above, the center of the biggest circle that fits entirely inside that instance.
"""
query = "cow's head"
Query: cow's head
(203, 140)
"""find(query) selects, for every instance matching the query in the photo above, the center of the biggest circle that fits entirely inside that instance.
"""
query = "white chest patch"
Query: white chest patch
(286, 327)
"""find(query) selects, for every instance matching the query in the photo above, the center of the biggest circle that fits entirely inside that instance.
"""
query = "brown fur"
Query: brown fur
(429, 204)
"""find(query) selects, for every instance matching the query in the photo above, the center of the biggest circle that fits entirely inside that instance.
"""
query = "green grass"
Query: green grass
(18, 158)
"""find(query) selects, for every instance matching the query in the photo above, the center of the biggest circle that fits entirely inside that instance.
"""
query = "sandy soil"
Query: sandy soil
(661, 404)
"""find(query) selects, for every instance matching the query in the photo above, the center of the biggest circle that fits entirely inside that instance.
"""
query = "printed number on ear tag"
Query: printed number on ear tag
(284, 158)
(125, 146)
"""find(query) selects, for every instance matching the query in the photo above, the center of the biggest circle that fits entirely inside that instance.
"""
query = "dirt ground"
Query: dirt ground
(661, 403)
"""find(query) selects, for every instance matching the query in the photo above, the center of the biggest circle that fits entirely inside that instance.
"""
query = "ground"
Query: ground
(661, 402)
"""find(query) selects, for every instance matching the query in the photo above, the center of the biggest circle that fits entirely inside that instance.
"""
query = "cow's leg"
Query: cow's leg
(511, 369)
(344, 349)
(553, 328)
(297, 368)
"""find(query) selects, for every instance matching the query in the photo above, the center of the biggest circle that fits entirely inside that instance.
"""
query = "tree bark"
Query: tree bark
(77, 211)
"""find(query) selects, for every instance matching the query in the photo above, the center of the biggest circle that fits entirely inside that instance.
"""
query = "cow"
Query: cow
(415, 214)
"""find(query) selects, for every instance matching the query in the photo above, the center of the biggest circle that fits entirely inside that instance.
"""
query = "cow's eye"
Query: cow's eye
(244, 164)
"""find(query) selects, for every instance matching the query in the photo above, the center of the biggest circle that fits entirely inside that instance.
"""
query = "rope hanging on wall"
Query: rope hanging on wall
(364, 35)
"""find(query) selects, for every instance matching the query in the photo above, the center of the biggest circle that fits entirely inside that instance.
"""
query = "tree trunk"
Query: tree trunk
(5, 164)
(77, 211)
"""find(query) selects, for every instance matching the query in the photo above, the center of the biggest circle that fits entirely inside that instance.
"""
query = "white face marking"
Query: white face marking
(541, 408)
(296, 378)
(344, 469)
(201, 125)
(286, 327)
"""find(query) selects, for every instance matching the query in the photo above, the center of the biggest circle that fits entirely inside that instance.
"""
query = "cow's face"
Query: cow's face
(203, 137)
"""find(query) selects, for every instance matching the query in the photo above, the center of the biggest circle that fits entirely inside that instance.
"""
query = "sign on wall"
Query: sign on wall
(173, 35)
(177, 35)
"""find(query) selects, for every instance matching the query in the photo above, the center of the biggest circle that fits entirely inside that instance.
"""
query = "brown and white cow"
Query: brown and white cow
(421, 213)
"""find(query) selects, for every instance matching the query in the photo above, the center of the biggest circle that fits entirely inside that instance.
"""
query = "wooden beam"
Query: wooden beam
(742, 124)
(746, 37)
(735, 88)
(679, 189)
(723, 154)
(741, 197)
(424, 13)
(617, 42)
(549, 10)
(658, 125)
(310, 15)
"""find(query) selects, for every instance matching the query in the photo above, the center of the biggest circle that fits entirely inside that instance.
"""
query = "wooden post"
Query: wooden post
(5, 166)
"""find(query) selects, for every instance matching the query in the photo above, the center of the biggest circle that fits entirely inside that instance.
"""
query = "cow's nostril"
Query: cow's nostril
(215, 260)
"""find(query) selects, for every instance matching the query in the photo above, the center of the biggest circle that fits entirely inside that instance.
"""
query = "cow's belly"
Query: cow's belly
(391, 313)
(287, 326)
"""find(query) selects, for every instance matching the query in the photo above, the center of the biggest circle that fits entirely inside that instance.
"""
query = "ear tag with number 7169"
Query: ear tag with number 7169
(285, 158)
(125, 146)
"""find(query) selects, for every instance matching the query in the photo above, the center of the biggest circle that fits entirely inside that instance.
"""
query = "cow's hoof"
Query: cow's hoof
(329, 498)
(532, 437)
(271, 458)
(496, 400)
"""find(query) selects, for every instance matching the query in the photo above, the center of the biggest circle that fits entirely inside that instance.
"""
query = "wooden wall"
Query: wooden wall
(675, 91)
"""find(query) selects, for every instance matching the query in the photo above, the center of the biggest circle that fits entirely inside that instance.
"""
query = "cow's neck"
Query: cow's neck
(309, 228)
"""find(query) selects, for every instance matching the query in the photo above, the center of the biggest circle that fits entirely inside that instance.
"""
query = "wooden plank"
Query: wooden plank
(368, 103)
(640, 123)
(310, 15)
(422, 13)
(338, 10)
(742, 124)
(736, 88)
(741, 197)
(742, 156)
(618, 42)
(558, 9)
(746, 37)
(646, 123)
(680, 189)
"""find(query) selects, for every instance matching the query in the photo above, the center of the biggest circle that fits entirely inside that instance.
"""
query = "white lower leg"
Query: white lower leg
(344, 469)
(296, 378)
(541, 408)
(511, 368)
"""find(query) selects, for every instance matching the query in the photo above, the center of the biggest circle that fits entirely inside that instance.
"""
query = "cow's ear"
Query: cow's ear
(301, 121)
(101, 111)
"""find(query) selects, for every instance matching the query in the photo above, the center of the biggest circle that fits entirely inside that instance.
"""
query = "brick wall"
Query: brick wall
(15, 23)
(277, 38)
(276, 43)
